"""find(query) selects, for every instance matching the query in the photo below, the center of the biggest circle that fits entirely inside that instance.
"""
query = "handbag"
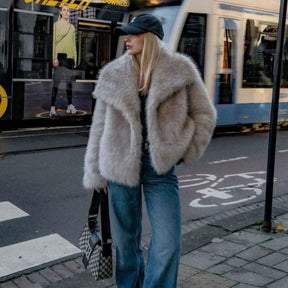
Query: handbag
(97, 250)
(64, 61)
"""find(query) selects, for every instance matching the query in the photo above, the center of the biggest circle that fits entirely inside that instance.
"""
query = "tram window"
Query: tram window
(32, 50)
(96, 46)
(6, 3)
(94, 51)
(226, 53)
(259, 52)
(3, 43)
(192, 40)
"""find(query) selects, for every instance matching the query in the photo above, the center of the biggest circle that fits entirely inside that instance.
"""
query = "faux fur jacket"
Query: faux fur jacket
(180, 120)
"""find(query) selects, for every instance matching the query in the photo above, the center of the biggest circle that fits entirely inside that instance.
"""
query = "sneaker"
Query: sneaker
(71, 109)
(52, 112)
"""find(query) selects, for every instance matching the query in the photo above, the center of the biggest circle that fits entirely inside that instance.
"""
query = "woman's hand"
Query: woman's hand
(105, 189)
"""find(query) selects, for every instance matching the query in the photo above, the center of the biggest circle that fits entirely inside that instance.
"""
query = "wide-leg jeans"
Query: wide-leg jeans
(163, 206)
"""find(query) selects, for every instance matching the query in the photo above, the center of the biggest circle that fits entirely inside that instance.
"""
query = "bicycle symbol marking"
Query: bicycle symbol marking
(221, 189)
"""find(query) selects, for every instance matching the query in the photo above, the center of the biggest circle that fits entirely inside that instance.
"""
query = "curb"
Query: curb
(27, 132)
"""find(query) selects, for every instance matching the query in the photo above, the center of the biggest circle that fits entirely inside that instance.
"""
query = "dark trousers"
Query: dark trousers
(68, 93)
(65, 74)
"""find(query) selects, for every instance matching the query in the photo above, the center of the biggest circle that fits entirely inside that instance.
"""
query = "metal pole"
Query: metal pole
(274, 116)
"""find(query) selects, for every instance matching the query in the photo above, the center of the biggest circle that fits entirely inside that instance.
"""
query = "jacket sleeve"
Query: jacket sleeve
(203, 113)
(92, 177)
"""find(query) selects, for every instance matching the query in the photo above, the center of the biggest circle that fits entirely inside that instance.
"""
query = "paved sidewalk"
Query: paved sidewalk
(245, 258)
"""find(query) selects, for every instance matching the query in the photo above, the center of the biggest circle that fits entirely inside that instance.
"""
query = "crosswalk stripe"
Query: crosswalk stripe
(26, 255)
(9, 211)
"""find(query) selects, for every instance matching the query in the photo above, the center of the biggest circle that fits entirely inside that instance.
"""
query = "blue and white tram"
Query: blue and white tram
(233, 42)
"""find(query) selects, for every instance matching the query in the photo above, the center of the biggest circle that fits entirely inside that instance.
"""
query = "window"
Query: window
(259, 52)
(95, 47)
(226, 54)
(32, 47)
(3, 42)
(192, 41)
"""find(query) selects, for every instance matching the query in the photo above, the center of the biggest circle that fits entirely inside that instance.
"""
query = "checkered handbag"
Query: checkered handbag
(97, 252)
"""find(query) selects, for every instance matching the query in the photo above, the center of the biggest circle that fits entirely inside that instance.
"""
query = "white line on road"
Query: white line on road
(190, 180)
(282, 151)
(25, 255)
(9, 211)
(228, 160)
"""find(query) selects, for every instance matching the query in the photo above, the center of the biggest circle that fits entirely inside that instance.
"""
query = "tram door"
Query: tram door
(226, 62)
(5, 75)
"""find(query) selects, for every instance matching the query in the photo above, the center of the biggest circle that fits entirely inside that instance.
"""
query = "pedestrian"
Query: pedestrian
(89, 67)
(64, 59)
(152, 111)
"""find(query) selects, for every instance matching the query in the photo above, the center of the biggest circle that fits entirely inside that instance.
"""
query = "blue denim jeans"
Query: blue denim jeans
(163, 206)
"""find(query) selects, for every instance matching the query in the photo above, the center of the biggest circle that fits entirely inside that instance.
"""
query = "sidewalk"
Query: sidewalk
(219, 257)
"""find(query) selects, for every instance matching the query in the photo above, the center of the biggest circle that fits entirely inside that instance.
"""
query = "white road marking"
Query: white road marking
(25, 255)
(200, 179)
(283, 151)
(216, 191)
(189, 180)
(9, 211)
(228, 160)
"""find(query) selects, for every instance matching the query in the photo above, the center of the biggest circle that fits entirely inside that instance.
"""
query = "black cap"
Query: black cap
(140, 24)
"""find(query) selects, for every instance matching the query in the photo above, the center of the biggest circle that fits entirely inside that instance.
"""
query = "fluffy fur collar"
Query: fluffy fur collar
(121, 71)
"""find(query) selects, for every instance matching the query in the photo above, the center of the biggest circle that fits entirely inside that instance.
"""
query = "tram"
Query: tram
(26, 60)
(233, 43)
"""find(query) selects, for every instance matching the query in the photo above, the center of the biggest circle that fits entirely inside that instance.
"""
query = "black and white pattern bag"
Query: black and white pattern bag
(97, 252)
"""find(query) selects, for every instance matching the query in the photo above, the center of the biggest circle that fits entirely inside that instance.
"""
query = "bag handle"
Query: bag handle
(100, 199)
(105, 225)
(93, 212)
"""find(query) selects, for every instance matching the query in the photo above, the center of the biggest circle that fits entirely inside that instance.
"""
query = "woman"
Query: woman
(152, 111)
(64, 58)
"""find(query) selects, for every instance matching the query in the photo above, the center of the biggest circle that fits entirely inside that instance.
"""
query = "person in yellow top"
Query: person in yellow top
(64, 58)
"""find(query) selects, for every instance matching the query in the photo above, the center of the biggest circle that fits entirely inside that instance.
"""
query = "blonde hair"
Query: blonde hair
(149, 58)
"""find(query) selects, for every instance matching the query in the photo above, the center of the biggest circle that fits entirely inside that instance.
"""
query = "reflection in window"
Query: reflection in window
(3, 43)
(32, 49)
(259, 53)
(94, 48)
(225, 60)
(192, 41)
